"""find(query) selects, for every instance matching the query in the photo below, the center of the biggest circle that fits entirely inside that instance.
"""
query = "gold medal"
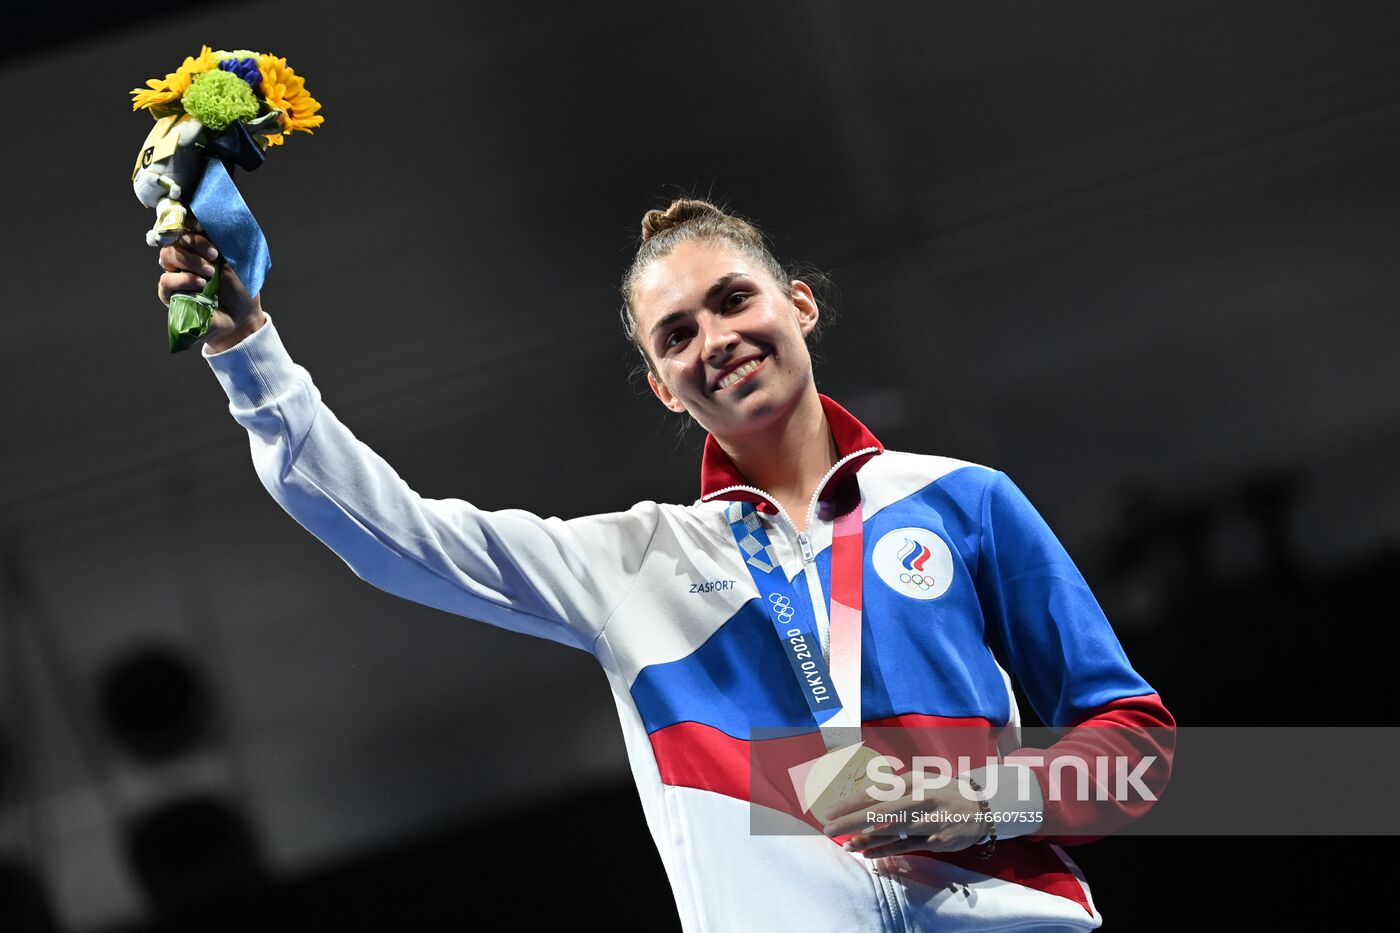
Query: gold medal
(840, 773)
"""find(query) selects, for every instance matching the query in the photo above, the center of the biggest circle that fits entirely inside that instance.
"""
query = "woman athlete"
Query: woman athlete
(822, 595)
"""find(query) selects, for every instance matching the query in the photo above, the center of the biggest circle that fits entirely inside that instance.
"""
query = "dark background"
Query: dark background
(1138, 255)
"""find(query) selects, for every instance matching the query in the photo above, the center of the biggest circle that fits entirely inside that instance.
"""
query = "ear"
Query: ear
(663, 394)
(806, 304)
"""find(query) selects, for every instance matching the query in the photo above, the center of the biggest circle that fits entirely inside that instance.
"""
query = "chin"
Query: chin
(756, 412)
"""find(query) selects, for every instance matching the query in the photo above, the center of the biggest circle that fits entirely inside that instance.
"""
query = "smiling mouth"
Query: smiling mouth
(739, 373)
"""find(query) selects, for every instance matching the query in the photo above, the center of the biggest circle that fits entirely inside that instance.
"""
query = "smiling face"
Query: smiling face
(726, 343)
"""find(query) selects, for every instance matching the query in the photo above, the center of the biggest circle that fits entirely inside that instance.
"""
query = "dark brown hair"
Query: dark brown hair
(686, 219)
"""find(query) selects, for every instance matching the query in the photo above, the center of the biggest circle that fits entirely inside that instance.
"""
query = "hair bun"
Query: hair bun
(678, 212)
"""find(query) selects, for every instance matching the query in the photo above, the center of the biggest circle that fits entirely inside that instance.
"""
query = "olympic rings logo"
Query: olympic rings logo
(916, 563)
(922, 582)
(782, 607)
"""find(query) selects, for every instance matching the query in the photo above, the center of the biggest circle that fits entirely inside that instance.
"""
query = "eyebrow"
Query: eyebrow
(715, 289)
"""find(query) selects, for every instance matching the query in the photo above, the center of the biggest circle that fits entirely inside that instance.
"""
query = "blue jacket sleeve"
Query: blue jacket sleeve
(1042, 617)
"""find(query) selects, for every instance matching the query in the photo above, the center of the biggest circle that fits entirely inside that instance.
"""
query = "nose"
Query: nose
(719, 338)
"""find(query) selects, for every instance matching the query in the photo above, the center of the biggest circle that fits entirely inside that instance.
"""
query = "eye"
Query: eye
(734, 299)
(676, 338)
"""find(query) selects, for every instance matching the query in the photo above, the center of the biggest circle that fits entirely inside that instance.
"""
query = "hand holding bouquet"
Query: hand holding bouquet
(216, 111)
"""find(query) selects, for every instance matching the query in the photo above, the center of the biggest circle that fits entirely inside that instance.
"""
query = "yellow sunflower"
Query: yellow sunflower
(159, 92)
(285, 90)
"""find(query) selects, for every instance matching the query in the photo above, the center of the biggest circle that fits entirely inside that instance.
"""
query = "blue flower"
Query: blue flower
(245, 68)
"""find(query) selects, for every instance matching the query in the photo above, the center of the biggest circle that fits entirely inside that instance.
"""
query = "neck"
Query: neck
(789, 458)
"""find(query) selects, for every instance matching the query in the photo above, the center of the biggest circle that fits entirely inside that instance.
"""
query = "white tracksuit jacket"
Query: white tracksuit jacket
(659, 595)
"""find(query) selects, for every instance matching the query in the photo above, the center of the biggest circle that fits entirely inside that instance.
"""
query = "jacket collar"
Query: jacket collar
(718, 472)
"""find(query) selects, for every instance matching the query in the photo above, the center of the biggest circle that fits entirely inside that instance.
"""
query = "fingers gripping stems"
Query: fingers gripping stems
(188, 317)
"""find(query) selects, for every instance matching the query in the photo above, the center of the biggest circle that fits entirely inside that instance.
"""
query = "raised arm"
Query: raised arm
(546, 577)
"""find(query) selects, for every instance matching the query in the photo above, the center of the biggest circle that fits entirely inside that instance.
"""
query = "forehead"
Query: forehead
(678, 280)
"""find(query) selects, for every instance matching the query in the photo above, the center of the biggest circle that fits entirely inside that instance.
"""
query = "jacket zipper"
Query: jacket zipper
(891, 897)
(809, 556)
(804, 540)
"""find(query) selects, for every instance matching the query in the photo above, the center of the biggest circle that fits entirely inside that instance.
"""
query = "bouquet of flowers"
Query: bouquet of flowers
(217, 111)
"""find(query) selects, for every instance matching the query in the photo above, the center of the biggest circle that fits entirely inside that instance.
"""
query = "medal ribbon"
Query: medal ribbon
(847, 563)
(793, 617)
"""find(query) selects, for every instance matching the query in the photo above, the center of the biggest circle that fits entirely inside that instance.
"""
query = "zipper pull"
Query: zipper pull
(806, 544)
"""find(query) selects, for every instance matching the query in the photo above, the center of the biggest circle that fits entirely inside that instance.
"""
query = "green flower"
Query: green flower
(217, 98)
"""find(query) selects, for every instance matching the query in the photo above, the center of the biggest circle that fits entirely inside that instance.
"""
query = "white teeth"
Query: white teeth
(739, 373)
